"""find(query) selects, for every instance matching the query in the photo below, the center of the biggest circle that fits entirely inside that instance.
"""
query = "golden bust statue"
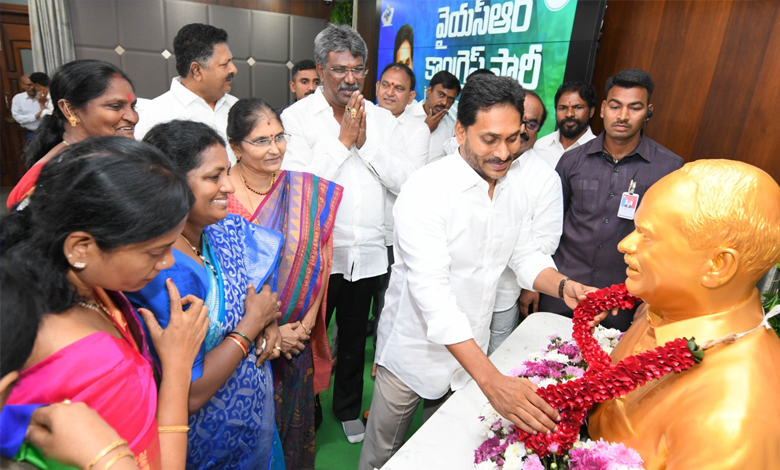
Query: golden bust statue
(705, 234)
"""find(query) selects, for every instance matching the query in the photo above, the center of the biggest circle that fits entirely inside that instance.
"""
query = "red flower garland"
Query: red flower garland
(603, 380)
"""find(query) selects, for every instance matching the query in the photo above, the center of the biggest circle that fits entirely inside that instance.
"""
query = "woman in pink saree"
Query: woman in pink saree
(103, 220)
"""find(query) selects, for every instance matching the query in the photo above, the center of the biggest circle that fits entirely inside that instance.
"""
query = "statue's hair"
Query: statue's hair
(732, 211)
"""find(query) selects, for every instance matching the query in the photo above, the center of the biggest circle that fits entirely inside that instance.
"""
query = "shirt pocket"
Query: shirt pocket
(585, 195)
(508, 243)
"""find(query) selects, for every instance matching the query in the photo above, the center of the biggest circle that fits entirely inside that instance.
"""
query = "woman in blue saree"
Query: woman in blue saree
(224, 260)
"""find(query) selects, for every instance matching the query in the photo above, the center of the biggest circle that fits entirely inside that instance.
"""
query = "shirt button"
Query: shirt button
(601, 247)
(595, 270)
(606, 221)
(616, 169)
(611, 194)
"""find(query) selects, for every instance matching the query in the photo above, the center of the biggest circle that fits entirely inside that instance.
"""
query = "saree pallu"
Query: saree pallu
(302, 207)
(235, 428)
(113, 376)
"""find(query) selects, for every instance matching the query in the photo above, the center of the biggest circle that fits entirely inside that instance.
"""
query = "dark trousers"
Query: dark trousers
(352, 302)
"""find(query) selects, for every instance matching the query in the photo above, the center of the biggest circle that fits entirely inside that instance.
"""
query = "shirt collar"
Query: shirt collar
(186, 96)
(416, 109)
(464, 177)
(740, 319)
(318, 101)
(596, 147)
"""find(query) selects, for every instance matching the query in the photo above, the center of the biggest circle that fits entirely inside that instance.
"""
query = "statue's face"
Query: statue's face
(662, 268)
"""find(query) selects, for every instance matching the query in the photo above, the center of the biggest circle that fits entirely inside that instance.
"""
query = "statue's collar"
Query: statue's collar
(737, 320)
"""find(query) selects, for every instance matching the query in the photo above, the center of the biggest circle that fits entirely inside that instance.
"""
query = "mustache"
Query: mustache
(621, 123)
(525, 137)
(229, 77)
(498, 160)
(348, 87)
(309, 93)
(571, 121)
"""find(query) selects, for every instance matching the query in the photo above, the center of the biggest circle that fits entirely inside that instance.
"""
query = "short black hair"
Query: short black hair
(195, 43)
(480, 72)
(183, 142)
(20, 314)
(485, 91)
(631, 78)
(544, 108)
(586, 91)
(447, 80)
(405, 68)
(305, 64)
(405, 33)
(39, 78)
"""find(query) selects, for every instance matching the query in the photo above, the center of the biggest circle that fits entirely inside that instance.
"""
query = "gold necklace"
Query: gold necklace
(246, 190)
(199, 255)
(97, 307)
(246, 186)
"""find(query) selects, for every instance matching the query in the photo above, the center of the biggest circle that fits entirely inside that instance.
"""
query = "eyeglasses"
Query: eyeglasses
(341, 72)
(532, 125)
(279, 139)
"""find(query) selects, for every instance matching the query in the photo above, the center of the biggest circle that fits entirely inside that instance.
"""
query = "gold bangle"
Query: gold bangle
(104, 452)
(244, 349)
(164, 429)
(127, 453)
(308, 331)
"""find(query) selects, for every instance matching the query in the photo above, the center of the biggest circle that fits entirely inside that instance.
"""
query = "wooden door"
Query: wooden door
(14, 38)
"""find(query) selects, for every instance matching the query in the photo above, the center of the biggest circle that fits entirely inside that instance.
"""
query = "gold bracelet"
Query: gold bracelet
(127, 453)
(105, 451)
(164, 429)
(244, 349)
(308, 331)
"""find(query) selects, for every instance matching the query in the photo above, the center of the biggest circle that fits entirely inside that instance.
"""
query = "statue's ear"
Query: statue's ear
(723, 266)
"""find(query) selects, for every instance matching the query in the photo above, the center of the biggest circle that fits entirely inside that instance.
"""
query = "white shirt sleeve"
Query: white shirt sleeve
(527, 259)
(20, 114)
(323, 159)
(548, 215)
(421, 239)
(386, 159)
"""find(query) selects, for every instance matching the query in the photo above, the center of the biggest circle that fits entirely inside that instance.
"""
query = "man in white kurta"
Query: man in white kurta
(201, 91)
(395, 92)
(458, 223)
(575, 103)
(338, 135)
(440, 95)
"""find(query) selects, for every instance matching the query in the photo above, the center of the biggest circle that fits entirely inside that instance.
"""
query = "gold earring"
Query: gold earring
(73, 121)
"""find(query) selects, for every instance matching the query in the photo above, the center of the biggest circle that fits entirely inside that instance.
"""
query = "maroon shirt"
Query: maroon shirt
(593, 185)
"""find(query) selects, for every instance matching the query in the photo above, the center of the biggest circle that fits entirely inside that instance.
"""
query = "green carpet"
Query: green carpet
(334, 452)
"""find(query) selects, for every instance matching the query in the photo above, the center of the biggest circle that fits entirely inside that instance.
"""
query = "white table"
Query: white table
(448, 439)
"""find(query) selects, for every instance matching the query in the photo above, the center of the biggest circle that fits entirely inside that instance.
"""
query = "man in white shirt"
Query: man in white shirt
(575, 103)
(458, 223)
(395, 92)
(200, 92)
(338, 135)
(28, 107)
(542, 186)
(442, 90)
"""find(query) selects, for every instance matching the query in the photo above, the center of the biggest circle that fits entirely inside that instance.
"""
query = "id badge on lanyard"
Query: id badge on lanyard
(628, 202)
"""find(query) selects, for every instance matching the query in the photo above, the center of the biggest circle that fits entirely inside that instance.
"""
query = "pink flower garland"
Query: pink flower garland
(603, 380)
